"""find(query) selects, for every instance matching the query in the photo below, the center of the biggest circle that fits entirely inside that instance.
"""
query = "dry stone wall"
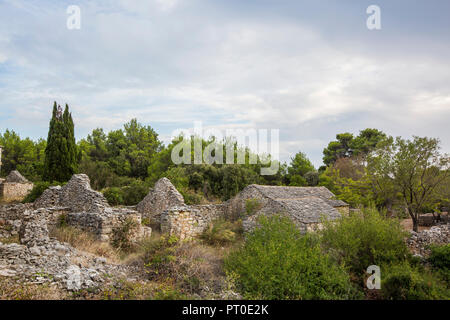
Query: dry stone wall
(77, 195)
(187, 222)
(419, 241)
(15, 187)
(103, 225)
(162, 197)
(13, 191)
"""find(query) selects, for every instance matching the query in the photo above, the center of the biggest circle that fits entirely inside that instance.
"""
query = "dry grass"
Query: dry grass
(87, 242)
(13, 239)
(13, 290)
(192, 267)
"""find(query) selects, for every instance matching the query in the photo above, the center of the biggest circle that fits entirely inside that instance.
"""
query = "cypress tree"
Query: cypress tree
(61, 151)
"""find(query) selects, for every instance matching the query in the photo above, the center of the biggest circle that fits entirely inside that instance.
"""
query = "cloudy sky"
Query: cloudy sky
(309, 68)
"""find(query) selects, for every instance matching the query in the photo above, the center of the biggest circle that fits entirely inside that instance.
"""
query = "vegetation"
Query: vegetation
(405, 282)
(84, 241)
(222, 232)
(277, 262)
(440, 260)
(61, 154)
(386, 178)
(364, 238)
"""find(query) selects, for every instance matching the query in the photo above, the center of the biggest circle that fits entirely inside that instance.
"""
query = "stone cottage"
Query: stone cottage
(15, 187)
(304, 205)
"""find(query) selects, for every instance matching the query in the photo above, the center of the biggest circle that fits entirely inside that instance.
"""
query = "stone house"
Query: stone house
(15, 187)
(306, 206)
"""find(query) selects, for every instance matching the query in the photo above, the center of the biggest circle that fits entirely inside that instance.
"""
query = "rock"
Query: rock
(35, 251)
(73, 282)
(34, 229)
(419, 241)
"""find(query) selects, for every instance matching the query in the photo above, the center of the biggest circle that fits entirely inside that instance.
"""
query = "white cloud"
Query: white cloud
(170, 63)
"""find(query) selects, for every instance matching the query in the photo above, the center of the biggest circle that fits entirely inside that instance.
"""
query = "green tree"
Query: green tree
(297, 170)
(415, 169)
(346, 145)
(61, 156)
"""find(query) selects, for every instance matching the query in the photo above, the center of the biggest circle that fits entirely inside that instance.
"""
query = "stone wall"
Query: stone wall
(419, 242)
(14, 191)
(87, 209)
(162, 197)
(187, 222)
(77, 195)
(103, 225)
(11, 217)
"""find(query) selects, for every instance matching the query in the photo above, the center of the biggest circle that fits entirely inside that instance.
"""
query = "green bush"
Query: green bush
(114, 196)
(128, 195)
(277, 262)
(221, 232)
(38, 190)
(121, 236)
(401, 281)
(364, 238)
(135, 193)
(252, 206)
(440, 260)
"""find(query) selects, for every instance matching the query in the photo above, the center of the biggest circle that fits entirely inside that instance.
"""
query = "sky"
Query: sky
(311, 69)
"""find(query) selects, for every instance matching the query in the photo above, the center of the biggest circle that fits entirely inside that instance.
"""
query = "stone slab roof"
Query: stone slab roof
(278, 192)
(16, 177)
(309, 209)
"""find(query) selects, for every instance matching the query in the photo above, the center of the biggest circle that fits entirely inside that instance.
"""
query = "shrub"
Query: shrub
(114, 196)
(440, 260)
(38, 190)
(221, 232)
(252, 206)
(364, 238)
(405, 282)
(189, 265)
(277, 262)
(134, 193)
(121, 236)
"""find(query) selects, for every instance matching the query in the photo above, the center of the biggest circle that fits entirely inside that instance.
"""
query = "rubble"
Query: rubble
(419, 242)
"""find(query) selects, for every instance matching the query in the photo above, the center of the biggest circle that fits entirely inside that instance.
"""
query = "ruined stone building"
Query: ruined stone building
(306, 206)
(15, 187)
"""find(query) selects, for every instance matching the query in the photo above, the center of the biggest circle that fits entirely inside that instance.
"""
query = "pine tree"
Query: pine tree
(61, 151)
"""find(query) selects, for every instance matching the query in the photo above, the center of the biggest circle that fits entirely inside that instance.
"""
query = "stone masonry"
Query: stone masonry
(187, 222)
(15, 187)
(88, 209)
(162, 197)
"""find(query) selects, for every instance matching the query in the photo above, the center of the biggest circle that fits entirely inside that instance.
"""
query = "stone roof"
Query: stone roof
(309, 209)
(16, 177)
(278, 192)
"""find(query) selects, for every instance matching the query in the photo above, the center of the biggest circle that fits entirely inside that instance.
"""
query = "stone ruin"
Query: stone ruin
(39, 259)
(15, 187)
(162, 197)
(419, 242)
(88, 209)
(165, 208)
(306, 206)
(77, 205)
